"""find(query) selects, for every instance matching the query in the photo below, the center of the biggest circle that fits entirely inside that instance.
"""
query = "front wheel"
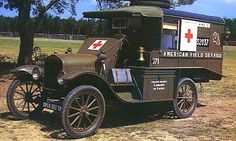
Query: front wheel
(24, 98)
(185, 98)
(83, 111)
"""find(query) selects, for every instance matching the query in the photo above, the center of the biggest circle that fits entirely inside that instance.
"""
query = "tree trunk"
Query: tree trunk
(26, 34)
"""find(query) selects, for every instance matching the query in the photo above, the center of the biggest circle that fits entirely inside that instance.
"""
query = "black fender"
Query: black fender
(94, 79)
(25, 70)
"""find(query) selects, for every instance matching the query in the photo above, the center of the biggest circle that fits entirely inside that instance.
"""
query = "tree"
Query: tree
(111, 4)
(177, 3)
(27, 26)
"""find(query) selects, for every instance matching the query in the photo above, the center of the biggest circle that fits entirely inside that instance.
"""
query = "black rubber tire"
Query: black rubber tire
(74, 95)
(11, 102)
(178, 105)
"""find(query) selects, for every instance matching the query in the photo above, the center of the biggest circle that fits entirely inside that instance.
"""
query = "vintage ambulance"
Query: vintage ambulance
(144, 54)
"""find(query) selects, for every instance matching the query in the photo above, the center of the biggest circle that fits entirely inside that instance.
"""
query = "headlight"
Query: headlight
(36, 73)
(60, 80)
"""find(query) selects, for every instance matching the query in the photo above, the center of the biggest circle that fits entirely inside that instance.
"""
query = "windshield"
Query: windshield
(113, 26)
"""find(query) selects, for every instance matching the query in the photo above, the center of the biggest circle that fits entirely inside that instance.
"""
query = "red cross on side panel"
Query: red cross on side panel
(189, 35)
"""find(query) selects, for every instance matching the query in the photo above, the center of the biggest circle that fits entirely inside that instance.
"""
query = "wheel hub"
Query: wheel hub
(28, 97)
(84, 110)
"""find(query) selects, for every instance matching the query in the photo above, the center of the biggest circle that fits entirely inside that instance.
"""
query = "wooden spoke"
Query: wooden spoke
(84, 125)
(76, 100)
(26, 85)
(18, 105)
(35, 89)
(33, 105)
(93, 108)
(28, 106)
(181, 106)
(75, 108)
(82, 100)
(182, 88)
(31, 87)
(185, 108)
(19, 93)
(79, 122)
(180, 102)
(75, 120)
(91, 103)
(22, 89)
(23, 106)
(87, 100)
(75, 114)
(185, 88)
(92, 114)
(18, 98)
(88, 119)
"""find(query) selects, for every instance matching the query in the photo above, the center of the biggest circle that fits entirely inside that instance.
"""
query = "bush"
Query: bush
(38, 57)
(6, 64)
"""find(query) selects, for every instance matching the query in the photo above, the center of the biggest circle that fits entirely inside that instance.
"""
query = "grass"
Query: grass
(230, 52)
(10, 46)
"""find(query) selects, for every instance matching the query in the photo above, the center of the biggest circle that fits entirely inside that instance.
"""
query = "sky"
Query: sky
(221, 8)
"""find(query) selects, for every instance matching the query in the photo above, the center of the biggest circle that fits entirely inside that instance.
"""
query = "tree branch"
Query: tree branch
(43, 11)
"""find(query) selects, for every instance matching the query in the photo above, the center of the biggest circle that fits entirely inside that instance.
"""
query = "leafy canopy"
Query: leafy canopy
(39, 7)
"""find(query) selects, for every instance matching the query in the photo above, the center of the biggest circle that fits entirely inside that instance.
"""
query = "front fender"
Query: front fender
(25, 69)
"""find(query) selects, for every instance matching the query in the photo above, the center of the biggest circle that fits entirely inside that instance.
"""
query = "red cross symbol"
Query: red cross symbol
(189, 35)
(98, 44)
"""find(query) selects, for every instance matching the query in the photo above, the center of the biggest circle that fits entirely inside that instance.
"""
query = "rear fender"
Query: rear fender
(93, 79)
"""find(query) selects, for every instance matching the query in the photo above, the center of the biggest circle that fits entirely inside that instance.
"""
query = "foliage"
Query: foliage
(6, 63)
(177, 3)
(112, 4)
(38, 56)
(27, 26)
(231, 25)
(5, 58)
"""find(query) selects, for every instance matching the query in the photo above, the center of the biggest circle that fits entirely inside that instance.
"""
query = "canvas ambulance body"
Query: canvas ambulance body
(147, 54)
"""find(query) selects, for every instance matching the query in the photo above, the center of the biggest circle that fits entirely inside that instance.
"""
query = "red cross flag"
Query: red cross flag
(97, 45)
(188, 35)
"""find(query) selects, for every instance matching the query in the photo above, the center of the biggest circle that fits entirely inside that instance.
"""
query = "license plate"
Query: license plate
(51, 106)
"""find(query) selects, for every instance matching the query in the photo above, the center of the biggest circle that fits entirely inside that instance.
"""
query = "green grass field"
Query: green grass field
(10, 46)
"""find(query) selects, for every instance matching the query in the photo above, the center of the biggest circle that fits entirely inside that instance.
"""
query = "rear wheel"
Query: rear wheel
(185, 98)
(24, 98)
(83, 111)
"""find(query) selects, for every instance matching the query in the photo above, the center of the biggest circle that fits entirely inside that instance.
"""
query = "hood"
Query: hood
(108, 45)
(74, 62)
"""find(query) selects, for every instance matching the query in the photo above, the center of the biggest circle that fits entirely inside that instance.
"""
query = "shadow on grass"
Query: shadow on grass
(115, 117)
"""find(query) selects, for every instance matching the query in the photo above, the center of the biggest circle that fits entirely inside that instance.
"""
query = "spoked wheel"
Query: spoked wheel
(83, 111)
(185, 99)
(24, 98)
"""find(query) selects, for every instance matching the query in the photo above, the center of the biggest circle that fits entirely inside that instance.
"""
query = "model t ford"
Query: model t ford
(146, 53)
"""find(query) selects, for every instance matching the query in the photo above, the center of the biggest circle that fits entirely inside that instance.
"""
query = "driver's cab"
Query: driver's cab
(143, 36)
(142, 30)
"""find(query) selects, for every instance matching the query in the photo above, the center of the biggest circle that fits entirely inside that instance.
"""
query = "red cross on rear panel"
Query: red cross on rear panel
(97, 45)
(189, 35)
